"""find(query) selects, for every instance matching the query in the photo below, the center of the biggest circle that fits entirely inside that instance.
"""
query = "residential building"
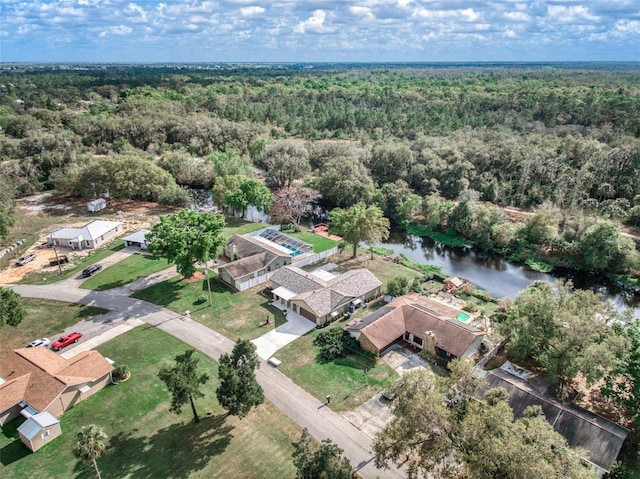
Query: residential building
(421, 322)
(89, 236)
(35, 380)
(321, 296)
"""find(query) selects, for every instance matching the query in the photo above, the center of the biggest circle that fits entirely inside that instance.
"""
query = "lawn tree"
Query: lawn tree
(326, 462)
(184, 382)
(472, 439)
(398, 286)
(187, 237)
(335, 343)
(563, 330)
(91, 442)
(239, 390)
(12, 308)
(291, 204)
(359, 223)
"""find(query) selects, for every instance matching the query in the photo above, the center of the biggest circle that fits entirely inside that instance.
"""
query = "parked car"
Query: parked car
(89, 270)
(25, 259)
(39, 342)
(66, 340)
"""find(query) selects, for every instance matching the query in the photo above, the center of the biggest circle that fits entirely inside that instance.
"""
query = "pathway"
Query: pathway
(292, 400)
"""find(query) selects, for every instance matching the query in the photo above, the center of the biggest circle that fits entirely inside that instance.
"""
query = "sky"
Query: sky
(149, 31)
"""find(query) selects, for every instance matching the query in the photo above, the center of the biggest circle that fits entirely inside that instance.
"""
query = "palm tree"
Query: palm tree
(91, 443)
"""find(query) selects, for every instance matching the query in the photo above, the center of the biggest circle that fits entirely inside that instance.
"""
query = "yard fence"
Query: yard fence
(489, 356)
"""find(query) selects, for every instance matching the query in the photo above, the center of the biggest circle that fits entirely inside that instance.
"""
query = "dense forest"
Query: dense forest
(442, 148)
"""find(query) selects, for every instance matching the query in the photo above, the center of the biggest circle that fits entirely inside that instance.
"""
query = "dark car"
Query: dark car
(66, 340)
(25, 259)
(89, 270)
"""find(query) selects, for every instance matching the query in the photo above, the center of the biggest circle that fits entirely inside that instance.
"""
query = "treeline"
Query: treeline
(562, 139)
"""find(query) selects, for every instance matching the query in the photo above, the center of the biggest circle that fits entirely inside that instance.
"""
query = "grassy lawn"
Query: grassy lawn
(234, 314)
(45, 318)
(134, 267)
(94, 256)
(319, 243)
(238, 226)
(344, 378)
(148, 441)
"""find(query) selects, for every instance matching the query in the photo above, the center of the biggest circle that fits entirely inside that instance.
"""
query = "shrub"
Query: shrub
(398, 286)
(201, 299)
(120, 372)
(335, 343)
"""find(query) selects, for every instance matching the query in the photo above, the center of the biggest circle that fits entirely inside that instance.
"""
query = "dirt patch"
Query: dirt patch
(72, 212)
(197, 276)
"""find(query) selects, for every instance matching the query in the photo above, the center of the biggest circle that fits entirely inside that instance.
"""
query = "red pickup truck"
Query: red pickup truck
(66, 340)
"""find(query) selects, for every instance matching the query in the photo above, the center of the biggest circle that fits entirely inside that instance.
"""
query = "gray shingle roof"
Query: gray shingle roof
(581, 428)
(322, 296)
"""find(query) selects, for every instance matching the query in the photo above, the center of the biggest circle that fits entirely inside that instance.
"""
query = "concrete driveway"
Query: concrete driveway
(371, 417)
(277, 338)
(402, 360)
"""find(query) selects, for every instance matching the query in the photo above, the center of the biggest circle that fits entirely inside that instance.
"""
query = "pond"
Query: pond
(496, 275)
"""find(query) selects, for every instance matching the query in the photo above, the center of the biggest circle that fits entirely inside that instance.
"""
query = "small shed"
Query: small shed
(451, 285)
(97, 205)
(39, 430)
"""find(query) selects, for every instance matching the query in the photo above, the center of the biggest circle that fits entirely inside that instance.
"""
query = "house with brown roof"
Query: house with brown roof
(35, 380)
(322, 296)
(421, 322)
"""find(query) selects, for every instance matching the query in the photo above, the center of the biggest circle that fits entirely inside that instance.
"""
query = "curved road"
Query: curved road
(291, 399)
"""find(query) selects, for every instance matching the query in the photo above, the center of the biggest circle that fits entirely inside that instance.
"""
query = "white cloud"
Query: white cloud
(517, 16)
(251, 11)
(116, 30)
(364, 12)
(404, 3)
(468, 14)
(572, 14)
(627, 27)
(315, 23)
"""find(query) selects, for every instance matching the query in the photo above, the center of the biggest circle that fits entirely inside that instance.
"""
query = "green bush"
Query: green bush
(120, 372)
(335, 343)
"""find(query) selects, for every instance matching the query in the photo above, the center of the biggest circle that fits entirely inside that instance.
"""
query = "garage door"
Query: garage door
(307, 314)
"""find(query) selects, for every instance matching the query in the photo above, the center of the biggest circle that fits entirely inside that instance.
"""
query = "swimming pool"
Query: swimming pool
(464, 317)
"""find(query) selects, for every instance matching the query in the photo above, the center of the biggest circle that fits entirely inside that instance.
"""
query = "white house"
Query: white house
(90, 235)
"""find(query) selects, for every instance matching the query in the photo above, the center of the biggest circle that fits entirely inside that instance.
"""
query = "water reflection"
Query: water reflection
(496, 275)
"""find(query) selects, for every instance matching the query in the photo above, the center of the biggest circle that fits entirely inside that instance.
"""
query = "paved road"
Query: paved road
(292, 400)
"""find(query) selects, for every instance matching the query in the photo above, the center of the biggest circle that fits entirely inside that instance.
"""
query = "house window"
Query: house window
(417, 340)
(45, 434)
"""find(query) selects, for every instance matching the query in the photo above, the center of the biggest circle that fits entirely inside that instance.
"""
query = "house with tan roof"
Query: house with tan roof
(35, 380)
(90, 235)
(322, 296)
(421, 322)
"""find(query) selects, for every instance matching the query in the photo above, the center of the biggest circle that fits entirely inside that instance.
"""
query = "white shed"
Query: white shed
(97, 205)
